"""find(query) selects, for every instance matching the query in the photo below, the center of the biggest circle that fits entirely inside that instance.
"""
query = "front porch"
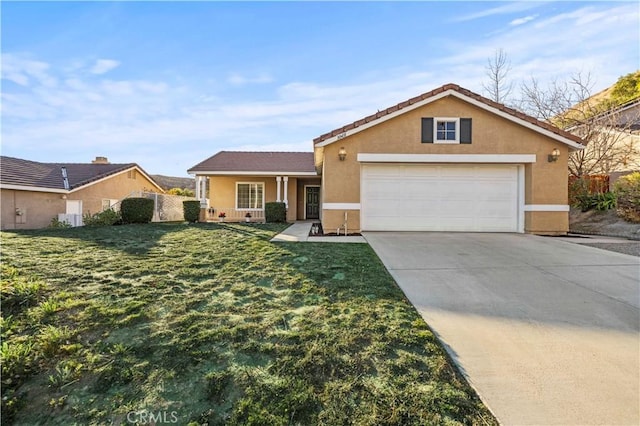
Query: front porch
(233, 198)
(231, 214)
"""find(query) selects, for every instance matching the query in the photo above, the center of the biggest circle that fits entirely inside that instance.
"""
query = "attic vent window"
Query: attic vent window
(447, 130)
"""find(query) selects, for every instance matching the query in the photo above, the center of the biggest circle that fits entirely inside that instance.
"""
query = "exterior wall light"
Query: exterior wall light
(342, 154)
(553, 157)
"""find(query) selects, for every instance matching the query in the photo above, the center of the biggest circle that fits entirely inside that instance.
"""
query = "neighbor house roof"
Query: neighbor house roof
(254, 163)
(24, 174)
(461, 93)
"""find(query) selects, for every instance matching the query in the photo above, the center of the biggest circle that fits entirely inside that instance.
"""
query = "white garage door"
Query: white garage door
(472, 198)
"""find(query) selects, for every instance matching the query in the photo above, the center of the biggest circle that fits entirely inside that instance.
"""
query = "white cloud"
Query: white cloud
(238, 79)
(503, 9)
(25, 71)
(103, 66)
(182, 124)
(523, 20)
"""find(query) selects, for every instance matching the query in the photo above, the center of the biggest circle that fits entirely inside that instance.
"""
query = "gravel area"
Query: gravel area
(632, 247)
(602, 223)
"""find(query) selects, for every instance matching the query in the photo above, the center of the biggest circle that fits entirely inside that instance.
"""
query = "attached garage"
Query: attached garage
(446, 160)
(441, 197)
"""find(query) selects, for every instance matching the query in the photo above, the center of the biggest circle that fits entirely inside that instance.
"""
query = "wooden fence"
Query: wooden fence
(594, 184)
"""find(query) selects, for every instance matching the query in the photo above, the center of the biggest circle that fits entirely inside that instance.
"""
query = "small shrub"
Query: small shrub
(105, 218)
(191, 209)
(585, 202)
(275, 212)
(56, 223)
(605, 201)
(586, 196)
(137, 210)
(628, 203)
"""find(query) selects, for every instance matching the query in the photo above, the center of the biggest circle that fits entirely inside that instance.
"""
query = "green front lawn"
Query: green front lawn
(213, 324)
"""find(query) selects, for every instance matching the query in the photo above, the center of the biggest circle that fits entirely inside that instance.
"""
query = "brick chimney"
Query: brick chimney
(100, 160)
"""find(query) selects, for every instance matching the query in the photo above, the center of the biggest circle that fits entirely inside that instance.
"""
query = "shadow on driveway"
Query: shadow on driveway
(546, 330)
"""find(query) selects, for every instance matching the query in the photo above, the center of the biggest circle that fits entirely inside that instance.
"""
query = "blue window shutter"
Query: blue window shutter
(427, 130)
(465, 130)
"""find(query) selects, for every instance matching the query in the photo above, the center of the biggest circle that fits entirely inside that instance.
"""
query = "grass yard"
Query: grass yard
(213, 324)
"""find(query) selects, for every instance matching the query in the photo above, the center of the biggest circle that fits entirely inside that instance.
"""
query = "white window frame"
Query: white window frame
(251, 208)
(111, 201)
(455, 120)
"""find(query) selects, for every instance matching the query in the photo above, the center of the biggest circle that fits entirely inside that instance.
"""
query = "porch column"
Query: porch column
(198, 187)
(202, 189)
(278, 179)
(286, 187)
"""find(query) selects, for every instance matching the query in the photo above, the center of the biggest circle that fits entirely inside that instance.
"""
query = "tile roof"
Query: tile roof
(461, 90)
(15, 171)
(236, 161)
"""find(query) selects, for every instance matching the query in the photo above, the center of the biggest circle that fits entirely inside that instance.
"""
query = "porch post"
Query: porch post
(286, 187)
(198, 187)
(202, 186)
(278, 179)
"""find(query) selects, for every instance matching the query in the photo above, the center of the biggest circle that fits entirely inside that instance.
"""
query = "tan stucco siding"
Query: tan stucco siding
(222, 192)
(547, 223)
(39, 208)
(36, 208)
(545, 183)
(334, 219)
(114, 188)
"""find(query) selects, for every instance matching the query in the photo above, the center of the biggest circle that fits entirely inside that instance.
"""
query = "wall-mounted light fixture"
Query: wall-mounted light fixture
(342, 154)
(553, 157)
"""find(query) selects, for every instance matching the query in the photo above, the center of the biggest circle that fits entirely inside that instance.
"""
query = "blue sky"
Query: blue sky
(168, 84)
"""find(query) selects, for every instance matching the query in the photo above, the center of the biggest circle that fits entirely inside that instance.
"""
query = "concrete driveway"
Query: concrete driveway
(546, 331)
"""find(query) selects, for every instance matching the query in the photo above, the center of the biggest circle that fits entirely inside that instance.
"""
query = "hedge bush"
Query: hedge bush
(105, 218)
(137, 210)
(191, 209)
(275, 212)
(628, 190)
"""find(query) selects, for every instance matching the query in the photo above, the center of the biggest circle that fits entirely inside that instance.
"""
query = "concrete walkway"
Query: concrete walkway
(547, 331)
(299, 232)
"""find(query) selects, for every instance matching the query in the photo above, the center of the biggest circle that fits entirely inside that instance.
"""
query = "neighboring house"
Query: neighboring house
(447, 160)
(242, 182)
(613, 141)
(34, 193)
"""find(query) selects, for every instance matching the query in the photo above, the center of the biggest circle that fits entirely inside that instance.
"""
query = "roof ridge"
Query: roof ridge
(444, 88)
(58, 163)
(263, 152)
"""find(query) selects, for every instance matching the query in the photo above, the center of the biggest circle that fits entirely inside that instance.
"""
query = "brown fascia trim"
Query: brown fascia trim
(462, 91)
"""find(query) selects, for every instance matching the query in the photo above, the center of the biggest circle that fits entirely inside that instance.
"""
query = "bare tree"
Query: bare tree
(612, 144)
(497, 69)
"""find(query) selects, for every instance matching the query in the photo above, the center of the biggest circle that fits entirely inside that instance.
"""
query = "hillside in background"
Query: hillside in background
(168, 182)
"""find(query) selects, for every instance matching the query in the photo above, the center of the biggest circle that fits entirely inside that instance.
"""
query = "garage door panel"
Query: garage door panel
(440, 197)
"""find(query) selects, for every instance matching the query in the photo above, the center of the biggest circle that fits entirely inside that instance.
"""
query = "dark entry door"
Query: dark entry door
(313, 202)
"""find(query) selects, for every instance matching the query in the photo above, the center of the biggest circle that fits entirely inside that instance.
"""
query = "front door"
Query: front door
(312, 208)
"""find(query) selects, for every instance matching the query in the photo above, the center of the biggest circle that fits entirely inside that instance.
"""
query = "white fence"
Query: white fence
(71, 219)
(166, 207)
